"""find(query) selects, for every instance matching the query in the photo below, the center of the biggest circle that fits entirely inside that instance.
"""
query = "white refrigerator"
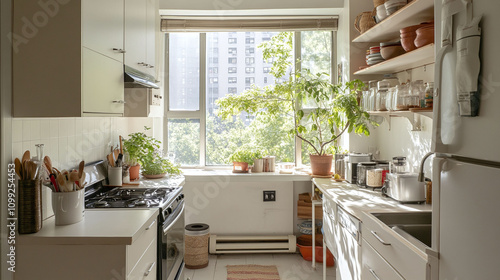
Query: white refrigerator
(466, 166)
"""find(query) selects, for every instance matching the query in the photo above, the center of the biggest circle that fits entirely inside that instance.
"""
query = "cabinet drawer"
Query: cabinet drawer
(399, 253)
(329, 225)
(136, 250)
(145, 269)
(374, 267)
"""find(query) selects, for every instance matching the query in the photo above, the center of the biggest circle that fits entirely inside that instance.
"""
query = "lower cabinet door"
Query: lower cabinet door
(374, 267)
(102, 84)
(145, 269)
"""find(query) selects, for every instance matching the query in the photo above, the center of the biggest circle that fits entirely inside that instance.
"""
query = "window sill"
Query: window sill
(217, 175)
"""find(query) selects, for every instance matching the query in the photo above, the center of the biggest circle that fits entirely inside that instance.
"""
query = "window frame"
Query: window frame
(201, 114)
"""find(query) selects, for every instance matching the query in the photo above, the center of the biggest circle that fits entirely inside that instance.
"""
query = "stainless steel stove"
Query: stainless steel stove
(169, 200)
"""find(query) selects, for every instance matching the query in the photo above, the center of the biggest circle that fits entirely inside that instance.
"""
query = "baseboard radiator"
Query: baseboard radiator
(252, 244)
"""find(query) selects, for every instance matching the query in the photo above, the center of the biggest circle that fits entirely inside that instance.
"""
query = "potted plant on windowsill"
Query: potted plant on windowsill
(143, 152)
(335, 110)
(243, 157)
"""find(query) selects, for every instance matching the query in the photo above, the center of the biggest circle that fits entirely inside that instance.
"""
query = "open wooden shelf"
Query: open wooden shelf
(412, 117)
(416, 58)
(415, 12)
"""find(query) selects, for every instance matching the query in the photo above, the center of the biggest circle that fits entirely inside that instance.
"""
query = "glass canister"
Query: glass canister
(401, 98)
(384, 165)
(398, 165)
(340, 165)
(363, 167)
(374, 178)
(417, 93)
(381, 97)
(429, 92)
(389, 99)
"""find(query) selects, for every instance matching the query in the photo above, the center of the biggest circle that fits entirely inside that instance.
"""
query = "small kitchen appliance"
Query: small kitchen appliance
(351, 165)
(404, 187)
(167, 195)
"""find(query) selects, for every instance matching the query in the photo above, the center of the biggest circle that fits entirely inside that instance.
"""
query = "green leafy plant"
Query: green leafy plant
(335, 108)
(145, 150)
(244, 154)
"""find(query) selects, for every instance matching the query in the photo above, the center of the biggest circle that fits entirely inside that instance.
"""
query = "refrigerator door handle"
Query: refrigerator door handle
(437, 143)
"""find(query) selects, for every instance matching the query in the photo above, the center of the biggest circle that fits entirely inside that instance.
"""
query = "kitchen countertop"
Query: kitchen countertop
(98, 227)
(356, 200)
(203, 175)
(167, 181)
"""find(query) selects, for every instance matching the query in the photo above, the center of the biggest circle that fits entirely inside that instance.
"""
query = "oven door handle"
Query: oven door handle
(166, 229)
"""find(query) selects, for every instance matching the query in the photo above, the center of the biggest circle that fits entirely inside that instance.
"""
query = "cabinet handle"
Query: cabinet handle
(119, 50)
(151, 225)
(379, 239)
(373, 273)
(150, 269)
(119, 101)
(142, 63)
(150, 66)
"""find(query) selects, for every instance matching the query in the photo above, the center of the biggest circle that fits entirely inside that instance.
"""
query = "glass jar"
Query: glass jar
(429, 92)
(417, 94)
(365, 101)
(389, 99)
(374, 178)
(398, 165)
(363, 167)
(384, 165)
(401, 99)
(381, 100)
(340, 165)
(373, 93)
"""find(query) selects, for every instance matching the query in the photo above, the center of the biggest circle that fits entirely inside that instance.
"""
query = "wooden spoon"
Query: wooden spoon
(121, 144)
(26, 169)
(110, 160)
(80, 168)
(48, 163)
(73, 177)
(26, 156)
(33, 170)
(18, 167)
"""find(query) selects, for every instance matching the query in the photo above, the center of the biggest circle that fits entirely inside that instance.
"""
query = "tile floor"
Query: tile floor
(290, 267)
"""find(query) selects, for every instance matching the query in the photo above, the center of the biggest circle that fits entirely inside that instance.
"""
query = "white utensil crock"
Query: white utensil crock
(68, 207)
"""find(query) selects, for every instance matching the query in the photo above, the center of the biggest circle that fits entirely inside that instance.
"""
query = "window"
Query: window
(198, 136)
(249, 51)
(249, 80)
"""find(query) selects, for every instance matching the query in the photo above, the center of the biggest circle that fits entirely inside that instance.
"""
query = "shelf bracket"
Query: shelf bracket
(379, 118)
(414, 120)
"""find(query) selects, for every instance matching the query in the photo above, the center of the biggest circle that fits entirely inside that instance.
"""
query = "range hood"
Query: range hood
(137, 79)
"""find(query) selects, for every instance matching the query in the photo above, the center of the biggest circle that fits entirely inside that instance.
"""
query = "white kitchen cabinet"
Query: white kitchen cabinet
(405, 258)
(50, 73)
(374, 267)
(141, 23)
(102, 27)
(330, 225)
(120, 245)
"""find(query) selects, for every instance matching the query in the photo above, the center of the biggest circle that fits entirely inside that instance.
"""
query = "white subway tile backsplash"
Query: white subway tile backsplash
(70, 126)
(63, 128)
(78, 126)
(26, 130)
(35, 130)
(63, 152)
(17, 150)
(45, 129)
(17, 131)
(54, 129)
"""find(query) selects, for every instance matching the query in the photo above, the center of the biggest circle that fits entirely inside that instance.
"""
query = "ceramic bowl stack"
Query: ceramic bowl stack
(409, 35)
(391, 6)
(374, 57)
(425, 35)
(390, 50)
(381, 13)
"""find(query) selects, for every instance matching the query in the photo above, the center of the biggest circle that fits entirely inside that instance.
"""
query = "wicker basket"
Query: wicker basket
(29, 208)
(365, 21)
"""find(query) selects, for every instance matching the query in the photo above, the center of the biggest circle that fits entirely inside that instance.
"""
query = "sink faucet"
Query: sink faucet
(421, 177)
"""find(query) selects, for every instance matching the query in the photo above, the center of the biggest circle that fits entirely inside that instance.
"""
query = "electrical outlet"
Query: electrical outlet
(269, 195)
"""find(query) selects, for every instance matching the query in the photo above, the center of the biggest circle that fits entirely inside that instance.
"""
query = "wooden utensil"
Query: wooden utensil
(73, 178)
(26, 156)
(48, 163)
(121, 144)
(33, 170)
(116, 152)
(110, 160)
(26, 169)
(80, 168)
(17, 164)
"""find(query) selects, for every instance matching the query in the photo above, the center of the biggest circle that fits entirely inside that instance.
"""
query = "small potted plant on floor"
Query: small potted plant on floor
(243, 157)
(143, 152)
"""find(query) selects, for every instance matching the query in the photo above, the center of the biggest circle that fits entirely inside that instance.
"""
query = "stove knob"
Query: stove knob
(182, 195)
(168, 211)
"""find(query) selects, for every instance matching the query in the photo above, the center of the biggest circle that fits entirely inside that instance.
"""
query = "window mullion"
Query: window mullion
(203, 107)
(298, 67)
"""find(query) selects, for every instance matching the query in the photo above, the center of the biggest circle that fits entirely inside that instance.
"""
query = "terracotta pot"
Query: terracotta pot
(240, 167)
(321, 165)
(134, 172)
(425, 36)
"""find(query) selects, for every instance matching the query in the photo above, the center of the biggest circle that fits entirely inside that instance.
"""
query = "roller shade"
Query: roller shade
(224, 24)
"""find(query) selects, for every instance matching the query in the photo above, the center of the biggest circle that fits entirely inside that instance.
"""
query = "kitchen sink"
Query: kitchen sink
(416, 227)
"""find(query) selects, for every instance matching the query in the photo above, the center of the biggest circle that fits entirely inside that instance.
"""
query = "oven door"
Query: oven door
(172, 245)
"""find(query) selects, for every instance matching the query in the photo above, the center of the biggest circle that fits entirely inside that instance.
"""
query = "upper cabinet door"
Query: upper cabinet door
(135, 34)
(102, 27)
(153, 29)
